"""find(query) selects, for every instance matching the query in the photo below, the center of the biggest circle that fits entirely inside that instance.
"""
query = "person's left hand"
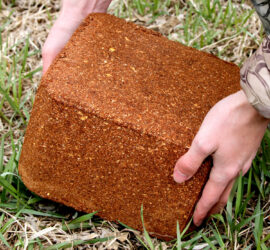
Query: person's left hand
(231, 132)
(71, 15)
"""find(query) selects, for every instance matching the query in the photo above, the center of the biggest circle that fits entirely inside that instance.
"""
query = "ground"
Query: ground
(229, 29)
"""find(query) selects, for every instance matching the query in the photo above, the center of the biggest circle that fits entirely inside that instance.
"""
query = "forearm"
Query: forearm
(81, 8)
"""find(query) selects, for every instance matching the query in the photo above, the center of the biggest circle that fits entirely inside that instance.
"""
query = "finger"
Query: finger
(189, 163)
(225, 196)
(47, 59)
(248, 164)
(56, 40)
(46, 65)
(48, 55)
(214, 188)
(223, 199)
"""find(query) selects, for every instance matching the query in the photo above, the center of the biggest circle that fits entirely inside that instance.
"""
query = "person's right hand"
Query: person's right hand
(72, 14)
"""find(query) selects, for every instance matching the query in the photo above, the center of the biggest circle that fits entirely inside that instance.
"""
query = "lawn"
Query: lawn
(228, 29)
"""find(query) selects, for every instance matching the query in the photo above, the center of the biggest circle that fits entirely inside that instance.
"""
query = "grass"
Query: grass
(228, 29)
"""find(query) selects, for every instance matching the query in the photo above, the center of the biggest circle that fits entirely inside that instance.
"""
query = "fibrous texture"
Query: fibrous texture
(117, 108)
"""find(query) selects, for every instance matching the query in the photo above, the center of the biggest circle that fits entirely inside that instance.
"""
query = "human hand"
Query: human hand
(71, 15)
(231, 132)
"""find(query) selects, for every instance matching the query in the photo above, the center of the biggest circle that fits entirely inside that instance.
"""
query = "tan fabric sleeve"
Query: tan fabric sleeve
(255, 73)
(255, 78)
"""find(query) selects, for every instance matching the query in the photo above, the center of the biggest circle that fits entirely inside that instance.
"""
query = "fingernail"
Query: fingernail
(198, 223)
(179, 176)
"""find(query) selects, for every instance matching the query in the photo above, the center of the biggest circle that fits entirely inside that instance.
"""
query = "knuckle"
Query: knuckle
(224, 175)
(207, 203)
(187, 167)
(230, 173)
(217, 177)
(202, 145)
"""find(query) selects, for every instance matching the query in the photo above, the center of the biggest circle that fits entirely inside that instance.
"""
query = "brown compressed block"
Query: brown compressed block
(117, 108)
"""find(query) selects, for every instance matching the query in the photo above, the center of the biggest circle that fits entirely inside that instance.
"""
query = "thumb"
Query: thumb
(190, 162)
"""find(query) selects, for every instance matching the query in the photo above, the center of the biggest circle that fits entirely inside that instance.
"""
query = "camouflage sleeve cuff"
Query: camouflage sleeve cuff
(262, 8)
(255, 78)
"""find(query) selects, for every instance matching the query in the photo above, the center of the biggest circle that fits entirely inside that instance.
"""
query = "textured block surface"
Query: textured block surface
(117, 108)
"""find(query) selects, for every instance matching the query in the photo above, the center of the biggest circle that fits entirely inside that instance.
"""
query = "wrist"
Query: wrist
(245, 104)
(79, 9)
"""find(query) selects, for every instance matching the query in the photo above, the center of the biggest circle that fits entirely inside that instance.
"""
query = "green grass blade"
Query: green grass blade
(142, 242)
(178, 237)
(75, 243)
(12, 103)
(209, 242)
(126, 226)
(239, 194)
(258, 228)
(2, 238)
(83, 218)
(38, 213)
(148, 239)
